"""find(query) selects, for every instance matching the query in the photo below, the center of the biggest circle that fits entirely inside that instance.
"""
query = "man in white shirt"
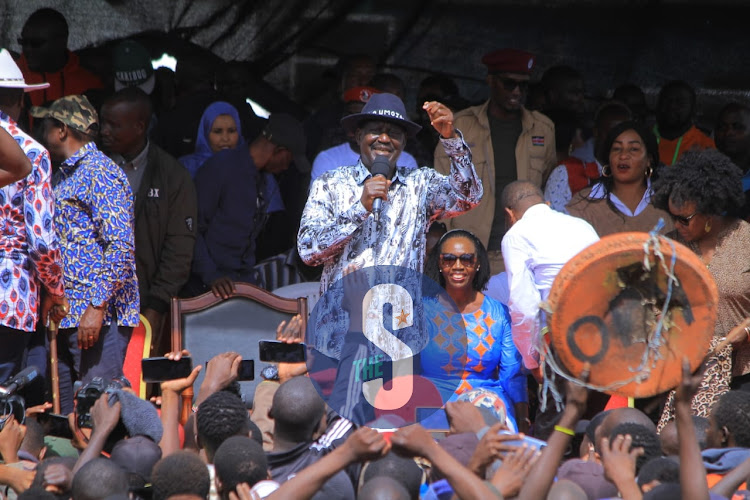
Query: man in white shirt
(535, 247)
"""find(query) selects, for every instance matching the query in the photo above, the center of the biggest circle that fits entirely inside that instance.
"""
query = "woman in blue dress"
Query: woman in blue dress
(486, 358)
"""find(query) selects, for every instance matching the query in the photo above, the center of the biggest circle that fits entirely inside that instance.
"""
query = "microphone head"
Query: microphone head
(381, 166)
(19, 380)
(26, 375)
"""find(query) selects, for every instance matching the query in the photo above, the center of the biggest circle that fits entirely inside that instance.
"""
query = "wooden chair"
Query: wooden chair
(307, 289)
(139, 347)
(207, 325)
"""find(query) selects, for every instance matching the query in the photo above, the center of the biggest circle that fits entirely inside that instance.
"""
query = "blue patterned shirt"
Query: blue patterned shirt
(94, 218)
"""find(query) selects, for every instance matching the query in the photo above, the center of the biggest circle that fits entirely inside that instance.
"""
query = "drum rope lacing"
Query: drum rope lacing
(651, 248)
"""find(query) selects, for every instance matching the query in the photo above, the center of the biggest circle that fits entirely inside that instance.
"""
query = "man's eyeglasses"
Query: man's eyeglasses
(509, 84)
(449, 259)
(683, 220)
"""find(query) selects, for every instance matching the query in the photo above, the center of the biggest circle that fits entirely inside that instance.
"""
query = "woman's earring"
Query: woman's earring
(707, 227)
(649, 172)
(606, 171)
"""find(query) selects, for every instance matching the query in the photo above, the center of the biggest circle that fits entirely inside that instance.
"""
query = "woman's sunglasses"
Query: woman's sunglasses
(685, 221)
(449, 259)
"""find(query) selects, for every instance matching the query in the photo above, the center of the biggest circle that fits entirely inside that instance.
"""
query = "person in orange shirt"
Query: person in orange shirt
(46, 58)
(674, 129)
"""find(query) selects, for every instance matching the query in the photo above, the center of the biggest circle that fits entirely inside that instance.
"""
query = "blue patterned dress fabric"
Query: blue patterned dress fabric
(29, 250)
(492, 360)
(94, 218)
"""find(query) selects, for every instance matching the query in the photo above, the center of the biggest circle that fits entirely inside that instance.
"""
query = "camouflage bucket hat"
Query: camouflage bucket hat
(75, 111)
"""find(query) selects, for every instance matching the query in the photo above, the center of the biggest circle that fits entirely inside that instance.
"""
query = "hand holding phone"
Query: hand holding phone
(159, 369)
(55, 425)
(531, 442)
(274, 351)
(245, 371)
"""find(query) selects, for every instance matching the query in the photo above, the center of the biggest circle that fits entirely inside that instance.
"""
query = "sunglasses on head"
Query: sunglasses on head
(683, 220)
(466, 259)
(509, 84)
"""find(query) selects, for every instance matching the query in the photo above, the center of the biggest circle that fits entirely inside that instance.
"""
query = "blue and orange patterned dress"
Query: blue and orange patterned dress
(491, 359)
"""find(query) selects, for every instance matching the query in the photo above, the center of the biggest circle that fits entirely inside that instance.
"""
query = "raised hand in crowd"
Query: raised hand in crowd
(32, 411)
(221, 371)
(171, 403)
(510, 476)
(618, 459)
(176, 386)
(11, 437)
(542, 474)
(105, 418)
(362, 445)
(415, 441)
(692, 471)
(463, 417)
(492, 447)
(291, 333)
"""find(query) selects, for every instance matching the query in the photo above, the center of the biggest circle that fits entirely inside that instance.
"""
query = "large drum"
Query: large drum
(612, 306)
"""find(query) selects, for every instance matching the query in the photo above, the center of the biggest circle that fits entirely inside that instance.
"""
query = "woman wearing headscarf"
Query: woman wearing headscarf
(219, 129)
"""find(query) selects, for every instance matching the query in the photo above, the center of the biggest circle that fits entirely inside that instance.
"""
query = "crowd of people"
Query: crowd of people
(122, 191)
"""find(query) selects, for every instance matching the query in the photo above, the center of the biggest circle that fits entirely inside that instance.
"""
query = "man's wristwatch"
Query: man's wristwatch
(270, 372)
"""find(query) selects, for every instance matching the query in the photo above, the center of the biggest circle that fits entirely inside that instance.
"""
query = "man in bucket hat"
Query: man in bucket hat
(341, 230)
(26, 204)
(94, 218)
(338, 225)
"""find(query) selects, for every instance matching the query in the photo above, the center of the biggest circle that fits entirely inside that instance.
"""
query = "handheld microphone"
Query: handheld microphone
(19, 380)
(381, 167)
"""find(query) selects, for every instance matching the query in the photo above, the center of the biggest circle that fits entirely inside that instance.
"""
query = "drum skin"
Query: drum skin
(602, 312)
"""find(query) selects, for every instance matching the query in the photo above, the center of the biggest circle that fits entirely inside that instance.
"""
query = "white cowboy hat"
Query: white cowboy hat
(12, 78)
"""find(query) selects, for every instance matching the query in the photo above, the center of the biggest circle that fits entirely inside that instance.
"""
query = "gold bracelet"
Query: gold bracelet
(565, 430)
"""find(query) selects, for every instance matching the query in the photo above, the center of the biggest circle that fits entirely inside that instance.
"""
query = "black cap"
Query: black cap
(285, 130)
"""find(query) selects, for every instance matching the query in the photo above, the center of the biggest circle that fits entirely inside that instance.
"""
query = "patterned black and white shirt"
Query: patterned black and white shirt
(336, 230)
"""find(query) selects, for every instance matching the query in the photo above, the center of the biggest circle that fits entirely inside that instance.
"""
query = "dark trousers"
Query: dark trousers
(12, 346)
(104, 359)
